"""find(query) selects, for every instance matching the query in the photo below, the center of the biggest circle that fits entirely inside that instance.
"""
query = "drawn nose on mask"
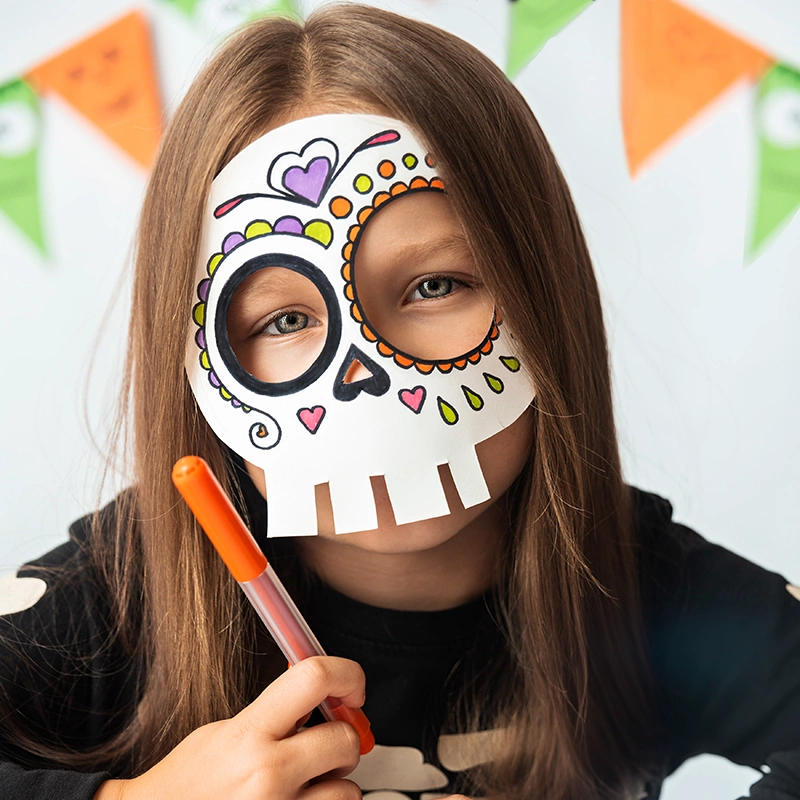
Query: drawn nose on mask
(359, 373)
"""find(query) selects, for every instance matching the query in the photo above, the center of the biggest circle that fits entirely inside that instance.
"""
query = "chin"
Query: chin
(413, 537)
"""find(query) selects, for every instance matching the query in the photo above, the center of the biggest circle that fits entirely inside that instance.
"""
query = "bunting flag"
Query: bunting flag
(110, 78)
(532, 23)
(188, 7)
(674, 63)
(20, 135)
(218, 17)
(778, 126)
(284, 8)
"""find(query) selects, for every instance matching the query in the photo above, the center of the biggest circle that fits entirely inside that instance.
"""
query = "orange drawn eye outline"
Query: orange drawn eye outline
(387, 350)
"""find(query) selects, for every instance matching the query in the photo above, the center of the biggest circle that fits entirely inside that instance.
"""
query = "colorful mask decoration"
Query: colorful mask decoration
(299, 200)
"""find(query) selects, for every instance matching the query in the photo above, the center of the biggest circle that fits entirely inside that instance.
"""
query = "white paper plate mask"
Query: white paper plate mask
(299, 200)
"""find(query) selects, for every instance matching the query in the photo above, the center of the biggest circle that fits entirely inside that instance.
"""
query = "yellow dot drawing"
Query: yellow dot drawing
(362, 183)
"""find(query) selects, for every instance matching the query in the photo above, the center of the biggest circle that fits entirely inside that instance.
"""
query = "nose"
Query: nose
(356, 372)
(359, 373)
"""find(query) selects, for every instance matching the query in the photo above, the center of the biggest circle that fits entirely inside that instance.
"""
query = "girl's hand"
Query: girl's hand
(259, 753)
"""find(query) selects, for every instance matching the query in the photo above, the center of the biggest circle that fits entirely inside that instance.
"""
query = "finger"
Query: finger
(331, 749)
(297, 692)
(332, 790)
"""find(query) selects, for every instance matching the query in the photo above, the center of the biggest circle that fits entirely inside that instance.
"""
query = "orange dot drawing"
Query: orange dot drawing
(386, 169)
(340, 207)
(110, 78)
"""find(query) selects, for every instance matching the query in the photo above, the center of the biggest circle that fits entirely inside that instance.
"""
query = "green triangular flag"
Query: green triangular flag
(218, 17)
(188, 7)
(778, 124)
(284, 8)
(532, 23)
(20, 135)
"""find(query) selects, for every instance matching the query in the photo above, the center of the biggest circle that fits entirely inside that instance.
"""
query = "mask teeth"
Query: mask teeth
(468, 478)
(353, 504)
(291, 509)
(416, 494)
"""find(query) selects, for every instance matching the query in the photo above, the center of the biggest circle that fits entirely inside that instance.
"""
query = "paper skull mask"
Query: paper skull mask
(292, 209)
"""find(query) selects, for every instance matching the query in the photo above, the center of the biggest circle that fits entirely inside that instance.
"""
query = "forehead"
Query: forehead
(299, 162)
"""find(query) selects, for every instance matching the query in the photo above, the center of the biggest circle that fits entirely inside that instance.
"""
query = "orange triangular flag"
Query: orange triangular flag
(673, 64)
(110, 78)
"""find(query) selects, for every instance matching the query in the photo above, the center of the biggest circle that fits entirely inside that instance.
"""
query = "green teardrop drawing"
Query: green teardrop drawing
(510, 363)
(475, 400)
(449, 414)
(495, 384)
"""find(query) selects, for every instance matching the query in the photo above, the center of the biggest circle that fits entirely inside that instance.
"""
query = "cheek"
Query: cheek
(504, 455)
(257, 476)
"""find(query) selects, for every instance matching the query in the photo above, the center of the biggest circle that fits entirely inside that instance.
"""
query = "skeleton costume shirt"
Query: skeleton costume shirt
(724, 645)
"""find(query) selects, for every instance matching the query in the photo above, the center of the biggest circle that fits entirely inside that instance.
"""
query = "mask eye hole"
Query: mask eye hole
(277, 324)
(415, 281)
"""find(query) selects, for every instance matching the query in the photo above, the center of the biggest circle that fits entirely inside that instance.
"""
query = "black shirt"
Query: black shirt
(723, 634)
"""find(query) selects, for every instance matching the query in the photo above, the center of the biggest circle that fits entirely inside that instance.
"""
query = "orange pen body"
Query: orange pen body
(224, 527)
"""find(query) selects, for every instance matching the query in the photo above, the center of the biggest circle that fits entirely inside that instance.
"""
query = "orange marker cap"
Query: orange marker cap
(214, 511)
(358, 719)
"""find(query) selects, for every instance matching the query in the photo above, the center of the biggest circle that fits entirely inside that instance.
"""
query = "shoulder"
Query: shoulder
(681, 570)
(65, 668)
(724, 641)
(62, 582)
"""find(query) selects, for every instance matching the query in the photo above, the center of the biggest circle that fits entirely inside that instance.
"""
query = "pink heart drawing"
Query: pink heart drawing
(311, 417)
(413, 398)
(308, 182)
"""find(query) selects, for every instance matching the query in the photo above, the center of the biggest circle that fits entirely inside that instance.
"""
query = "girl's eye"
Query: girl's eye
(291, 322)
(434, 287)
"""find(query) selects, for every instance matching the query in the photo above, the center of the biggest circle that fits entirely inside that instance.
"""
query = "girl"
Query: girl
(391, 279)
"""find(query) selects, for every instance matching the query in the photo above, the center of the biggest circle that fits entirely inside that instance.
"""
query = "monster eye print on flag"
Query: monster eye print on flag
(20, 135)
(778, 125)
(293, 208)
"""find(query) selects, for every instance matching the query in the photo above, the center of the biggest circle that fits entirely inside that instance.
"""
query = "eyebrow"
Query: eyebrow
(455, 243)
(247, 299)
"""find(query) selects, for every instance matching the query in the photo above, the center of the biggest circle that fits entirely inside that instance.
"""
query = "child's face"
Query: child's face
(343, 332)
(419, 285)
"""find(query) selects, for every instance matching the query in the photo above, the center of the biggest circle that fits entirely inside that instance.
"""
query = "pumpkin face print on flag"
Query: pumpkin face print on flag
(359, 394)
(778, 122)
(110, 78)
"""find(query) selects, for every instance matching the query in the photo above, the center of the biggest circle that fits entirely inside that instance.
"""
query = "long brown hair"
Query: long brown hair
(578, 696)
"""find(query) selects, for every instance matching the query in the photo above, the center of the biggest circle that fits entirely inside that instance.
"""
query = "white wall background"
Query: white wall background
(706, 353)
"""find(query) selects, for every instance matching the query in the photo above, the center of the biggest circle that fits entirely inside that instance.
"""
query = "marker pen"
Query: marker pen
(219, 519)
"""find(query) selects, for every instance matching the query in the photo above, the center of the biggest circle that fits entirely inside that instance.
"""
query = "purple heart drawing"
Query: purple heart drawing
(308, 182)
